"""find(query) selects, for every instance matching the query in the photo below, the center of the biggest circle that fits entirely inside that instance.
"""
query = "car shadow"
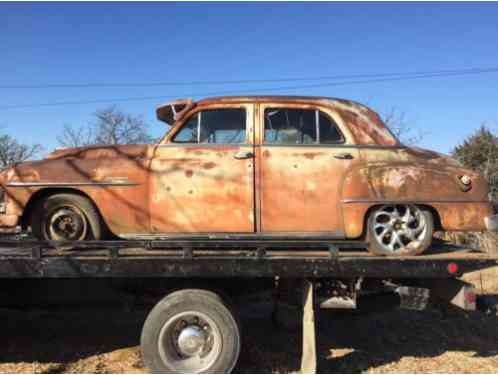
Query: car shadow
(60, 336)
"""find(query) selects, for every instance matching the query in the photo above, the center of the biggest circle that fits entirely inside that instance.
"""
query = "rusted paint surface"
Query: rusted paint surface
(300, 188)
(199, 188)
(124, 208)
(454, 216)
(417, 176)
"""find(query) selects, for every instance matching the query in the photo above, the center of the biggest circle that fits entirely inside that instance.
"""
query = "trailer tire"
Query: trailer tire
(191, 331)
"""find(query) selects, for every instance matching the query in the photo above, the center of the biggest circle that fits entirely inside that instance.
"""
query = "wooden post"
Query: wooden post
(309, 357)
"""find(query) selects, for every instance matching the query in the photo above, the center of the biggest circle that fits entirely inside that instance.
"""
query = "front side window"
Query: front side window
(221, 126)
(300, 126)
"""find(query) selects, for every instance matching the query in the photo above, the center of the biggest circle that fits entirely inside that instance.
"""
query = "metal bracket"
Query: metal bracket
(333, 251)
(114, 252)
(260, 252)
(36, 252)
(188, 253)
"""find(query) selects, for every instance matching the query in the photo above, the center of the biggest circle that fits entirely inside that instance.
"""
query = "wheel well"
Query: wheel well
(432, 210)
(44, 193)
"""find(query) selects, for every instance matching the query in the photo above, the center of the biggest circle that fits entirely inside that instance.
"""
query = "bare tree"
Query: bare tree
(76, 137)
(396, 121)
(12, 151)
(112, 126)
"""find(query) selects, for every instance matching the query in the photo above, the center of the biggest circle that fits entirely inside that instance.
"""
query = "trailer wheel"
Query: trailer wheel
(190, 331)
(399, 230)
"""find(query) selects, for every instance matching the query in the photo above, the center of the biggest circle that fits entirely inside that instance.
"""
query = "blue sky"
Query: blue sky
(147, 42)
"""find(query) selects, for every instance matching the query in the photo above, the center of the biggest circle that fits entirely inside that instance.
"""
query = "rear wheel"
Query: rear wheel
(399, 230)
(66, 217)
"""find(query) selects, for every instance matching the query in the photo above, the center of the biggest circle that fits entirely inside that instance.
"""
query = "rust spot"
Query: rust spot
(189, 173)
(266, 154)
(311, 155)
(209, 165)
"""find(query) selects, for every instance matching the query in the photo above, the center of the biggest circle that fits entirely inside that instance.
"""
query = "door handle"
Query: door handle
(344, 156)
(244, 155)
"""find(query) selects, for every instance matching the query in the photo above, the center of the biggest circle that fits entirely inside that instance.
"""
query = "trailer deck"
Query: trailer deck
(229, 258)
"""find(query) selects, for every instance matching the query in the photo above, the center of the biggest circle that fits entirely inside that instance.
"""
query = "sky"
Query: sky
(84, 43)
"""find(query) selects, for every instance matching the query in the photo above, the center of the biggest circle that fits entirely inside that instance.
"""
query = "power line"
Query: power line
(231, 82)
(232, 92)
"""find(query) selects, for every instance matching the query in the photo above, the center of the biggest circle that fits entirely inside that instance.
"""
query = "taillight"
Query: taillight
(452, 268)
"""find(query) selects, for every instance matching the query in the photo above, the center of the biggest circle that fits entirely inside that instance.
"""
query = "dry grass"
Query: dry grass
(105, 340)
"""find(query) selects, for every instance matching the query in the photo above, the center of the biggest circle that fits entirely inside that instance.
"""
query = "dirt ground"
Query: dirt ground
(105, 339)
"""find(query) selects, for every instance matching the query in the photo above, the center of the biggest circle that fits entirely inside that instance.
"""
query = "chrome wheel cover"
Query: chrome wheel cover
(190, 342)
(396, 227)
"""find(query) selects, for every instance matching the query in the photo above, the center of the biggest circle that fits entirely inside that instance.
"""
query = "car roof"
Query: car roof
(274, 98)
(370, 122)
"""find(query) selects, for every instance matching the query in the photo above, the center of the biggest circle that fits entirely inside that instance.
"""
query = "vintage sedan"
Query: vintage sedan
(265, 167)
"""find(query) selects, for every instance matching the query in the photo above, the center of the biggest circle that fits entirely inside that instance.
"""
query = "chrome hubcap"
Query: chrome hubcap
(190, 342)
(399, 226)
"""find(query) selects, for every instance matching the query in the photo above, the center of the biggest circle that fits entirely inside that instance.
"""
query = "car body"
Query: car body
(271, 166)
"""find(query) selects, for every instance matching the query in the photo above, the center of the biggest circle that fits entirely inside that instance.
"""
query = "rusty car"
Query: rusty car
(264, 167)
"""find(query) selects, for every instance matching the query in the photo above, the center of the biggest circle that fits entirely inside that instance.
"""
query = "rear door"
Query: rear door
(202, 181)
(304, 155)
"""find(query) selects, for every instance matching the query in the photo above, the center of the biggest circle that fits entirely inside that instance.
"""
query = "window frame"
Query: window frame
(248, 108)
(318, 110)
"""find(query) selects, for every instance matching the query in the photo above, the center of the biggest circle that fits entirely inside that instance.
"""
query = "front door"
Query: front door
(202, 180)
(303, 158)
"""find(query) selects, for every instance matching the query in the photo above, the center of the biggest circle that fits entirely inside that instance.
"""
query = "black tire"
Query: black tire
(189, 301)
(79, 206)
(414, 247)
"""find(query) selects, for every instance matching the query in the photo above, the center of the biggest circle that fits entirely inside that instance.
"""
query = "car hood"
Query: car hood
(100, 151)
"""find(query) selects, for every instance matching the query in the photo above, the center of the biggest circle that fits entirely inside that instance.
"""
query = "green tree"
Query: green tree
(480, 152)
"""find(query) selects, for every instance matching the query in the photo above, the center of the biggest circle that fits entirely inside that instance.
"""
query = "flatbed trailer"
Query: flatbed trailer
(187, 326)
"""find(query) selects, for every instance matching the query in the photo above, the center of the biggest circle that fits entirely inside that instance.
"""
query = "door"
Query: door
(202, 179)
(303, 158)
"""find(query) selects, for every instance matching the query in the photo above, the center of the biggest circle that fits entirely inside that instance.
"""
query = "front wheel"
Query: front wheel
(399, 230)
(66, 217)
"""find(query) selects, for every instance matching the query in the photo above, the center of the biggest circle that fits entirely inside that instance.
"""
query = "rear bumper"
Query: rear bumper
(491, 223)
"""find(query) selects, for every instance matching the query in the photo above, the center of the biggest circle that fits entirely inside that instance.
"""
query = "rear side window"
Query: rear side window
(219, 126)
(300, 126)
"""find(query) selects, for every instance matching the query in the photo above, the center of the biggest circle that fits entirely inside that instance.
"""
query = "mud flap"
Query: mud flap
(454, 292)
(309, 355)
